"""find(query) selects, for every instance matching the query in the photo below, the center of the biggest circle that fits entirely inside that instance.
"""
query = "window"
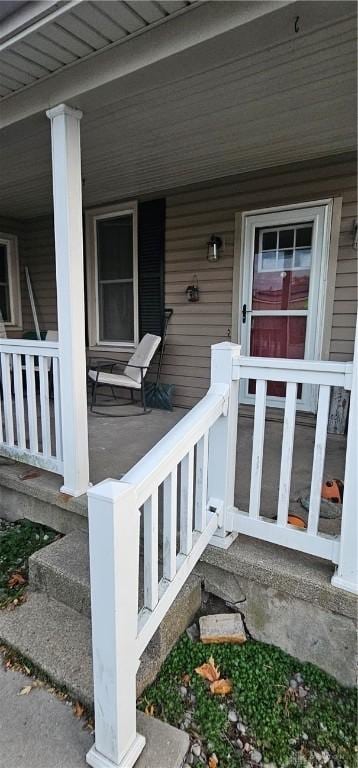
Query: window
(10, 301)
(112, 276)
(285, 248)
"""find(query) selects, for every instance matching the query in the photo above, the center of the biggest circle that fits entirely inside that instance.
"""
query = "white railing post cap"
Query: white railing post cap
(110, 490)
(225, 346)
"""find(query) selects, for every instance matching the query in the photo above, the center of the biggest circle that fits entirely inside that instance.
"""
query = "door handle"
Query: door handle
(245, 311)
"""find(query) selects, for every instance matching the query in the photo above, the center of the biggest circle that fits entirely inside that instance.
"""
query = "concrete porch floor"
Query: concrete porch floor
(116, 444)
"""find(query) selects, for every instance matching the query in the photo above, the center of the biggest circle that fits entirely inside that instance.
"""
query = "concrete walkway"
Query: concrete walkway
(38, 730)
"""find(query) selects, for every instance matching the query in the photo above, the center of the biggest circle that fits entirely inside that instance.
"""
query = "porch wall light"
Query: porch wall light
(355, 234)
(214, 246)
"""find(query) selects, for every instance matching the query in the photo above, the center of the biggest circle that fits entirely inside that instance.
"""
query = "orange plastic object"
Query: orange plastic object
(295, 520)
(332, 491)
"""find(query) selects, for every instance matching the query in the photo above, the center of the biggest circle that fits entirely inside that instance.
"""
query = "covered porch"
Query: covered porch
(153, 125)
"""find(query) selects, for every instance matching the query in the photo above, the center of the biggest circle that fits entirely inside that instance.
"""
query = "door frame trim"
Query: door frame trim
(328, 267)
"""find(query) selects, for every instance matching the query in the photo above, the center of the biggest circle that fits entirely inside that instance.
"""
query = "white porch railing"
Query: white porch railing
(188, 479)
(292, 372)
(30, 403)
(172, 479)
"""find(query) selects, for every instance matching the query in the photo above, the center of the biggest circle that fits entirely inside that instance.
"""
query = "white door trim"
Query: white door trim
(320, 211)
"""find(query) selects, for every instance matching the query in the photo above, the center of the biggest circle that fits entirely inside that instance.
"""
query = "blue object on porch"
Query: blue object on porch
(159, 395)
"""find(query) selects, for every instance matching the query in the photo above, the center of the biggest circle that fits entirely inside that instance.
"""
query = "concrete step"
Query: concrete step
(61, 571)
(57, 640)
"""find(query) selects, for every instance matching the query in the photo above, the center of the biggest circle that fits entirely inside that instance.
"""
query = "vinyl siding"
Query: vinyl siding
(194, 214)
(37, 252)
(39, 255)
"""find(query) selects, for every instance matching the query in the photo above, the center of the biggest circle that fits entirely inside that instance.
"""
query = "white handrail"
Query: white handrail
(156, 465)
(30, 347)
(299, 371)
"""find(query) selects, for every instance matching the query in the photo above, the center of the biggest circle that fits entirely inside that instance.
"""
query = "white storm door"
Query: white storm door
(284, 269)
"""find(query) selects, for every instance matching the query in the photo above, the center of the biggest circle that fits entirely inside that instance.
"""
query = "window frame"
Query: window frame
(13, 270)
(294, 249)
(92, 216)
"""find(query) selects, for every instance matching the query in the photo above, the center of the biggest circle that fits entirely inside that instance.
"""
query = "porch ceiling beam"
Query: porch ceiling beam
(204, 23)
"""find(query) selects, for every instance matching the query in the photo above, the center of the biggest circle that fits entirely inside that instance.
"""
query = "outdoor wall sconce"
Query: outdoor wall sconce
(214, 245)
(192, 291)
(355, 234)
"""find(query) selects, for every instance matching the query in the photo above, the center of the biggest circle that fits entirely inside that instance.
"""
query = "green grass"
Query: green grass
(17, 542)
(284, 728)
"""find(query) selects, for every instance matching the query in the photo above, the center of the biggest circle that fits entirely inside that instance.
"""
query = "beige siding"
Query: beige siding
(194, 214)
(39, 255)
(36, 250)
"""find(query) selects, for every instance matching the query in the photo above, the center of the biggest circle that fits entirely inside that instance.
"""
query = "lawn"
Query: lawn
(18, 541)
(279, 712)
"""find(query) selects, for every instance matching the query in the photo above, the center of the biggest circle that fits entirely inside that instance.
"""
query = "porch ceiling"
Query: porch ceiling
(38, 41)
(256, 96)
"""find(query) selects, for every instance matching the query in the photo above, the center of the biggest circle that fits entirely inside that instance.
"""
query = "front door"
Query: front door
(284, 268)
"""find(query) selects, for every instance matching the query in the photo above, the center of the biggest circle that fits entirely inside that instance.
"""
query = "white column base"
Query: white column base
(97, 760)
(72, 492)
(223, 542)
(348, 586)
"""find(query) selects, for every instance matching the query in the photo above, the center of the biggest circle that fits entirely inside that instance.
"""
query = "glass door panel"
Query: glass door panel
(282, 295)
(277, 337)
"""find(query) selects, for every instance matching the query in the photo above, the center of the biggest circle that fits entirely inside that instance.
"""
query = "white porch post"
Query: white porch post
(346, 576)
(223, 439)
(113, 521)
(67, 203)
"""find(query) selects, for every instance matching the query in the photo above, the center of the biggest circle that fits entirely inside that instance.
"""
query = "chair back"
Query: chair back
(142, 356)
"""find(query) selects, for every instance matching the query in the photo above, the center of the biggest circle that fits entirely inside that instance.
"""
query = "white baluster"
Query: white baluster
(150, 519)
(201, 483)
(318, 458)
(57, 407)
(170, 525)
(258, 448)
(7, 398)
(45, 407)
(287, 453)
(186, 502)
(31, 403)
(19, 401)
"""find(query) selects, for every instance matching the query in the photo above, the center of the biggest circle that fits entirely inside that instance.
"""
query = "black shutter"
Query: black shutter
(151, 245)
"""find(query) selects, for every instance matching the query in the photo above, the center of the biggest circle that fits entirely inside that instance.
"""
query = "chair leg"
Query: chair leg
(93, 400)
(144, 402)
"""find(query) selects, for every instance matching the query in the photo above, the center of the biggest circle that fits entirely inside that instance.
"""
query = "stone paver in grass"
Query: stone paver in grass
(18, 540)
(276, 711)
